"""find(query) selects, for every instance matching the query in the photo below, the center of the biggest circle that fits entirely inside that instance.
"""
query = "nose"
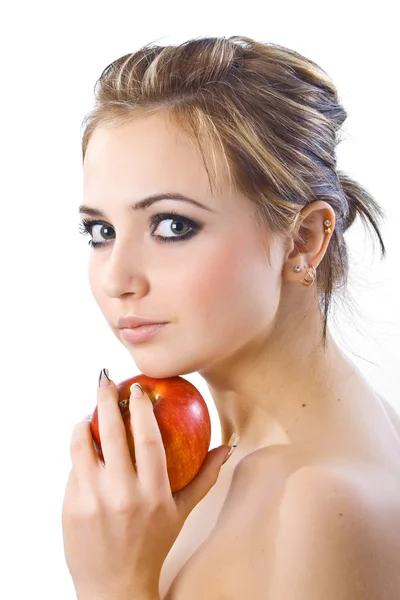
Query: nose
(124, 270)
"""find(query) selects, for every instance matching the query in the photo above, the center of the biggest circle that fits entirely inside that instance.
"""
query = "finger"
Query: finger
(151, 462)
(187, 498)
(85, 460)
(112, 432)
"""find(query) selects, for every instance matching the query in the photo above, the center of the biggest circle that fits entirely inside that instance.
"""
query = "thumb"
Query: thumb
(187, 498)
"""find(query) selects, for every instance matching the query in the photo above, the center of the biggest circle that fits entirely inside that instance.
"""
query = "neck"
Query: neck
(278, 391)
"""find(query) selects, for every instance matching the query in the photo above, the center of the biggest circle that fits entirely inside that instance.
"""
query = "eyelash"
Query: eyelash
(86, 227)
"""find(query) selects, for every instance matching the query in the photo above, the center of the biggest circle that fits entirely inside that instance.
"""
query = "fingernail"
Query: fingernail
(104, 380)
(233, 442)
(136, 390)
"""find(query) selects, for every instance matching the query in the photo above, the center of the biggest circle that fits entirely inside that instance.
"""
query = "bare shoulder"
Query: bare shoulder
(393, 415)
(339, 535)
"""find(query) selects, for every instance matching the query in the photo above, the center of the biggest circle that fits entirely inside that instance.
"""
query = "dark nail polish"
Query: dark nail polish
(105, 373)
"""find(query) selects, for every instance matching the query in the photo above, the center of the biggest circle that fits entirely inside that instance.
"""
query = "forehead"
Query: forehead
(146, 155)
(152, 155)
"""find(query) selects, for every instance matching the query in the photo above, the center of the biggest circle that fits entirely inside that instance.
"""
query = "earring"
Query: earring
(327, 224)
(296, 269)
(310, 277)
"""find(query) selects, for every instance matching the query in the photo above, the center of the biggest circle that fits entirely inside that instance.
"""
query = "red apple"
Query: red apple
(183, 419)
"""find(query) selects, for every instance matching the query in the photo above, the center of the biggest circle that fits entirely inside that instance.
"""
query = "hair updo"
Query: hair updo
(272, 114)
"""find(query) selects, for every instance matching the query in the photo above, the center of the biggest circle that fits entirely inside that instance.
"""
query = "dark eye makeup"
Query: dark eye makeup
(86, 228)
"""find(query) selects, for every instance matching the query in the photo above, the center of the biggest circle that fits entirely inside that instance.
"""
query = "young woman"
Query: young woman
(214, 206)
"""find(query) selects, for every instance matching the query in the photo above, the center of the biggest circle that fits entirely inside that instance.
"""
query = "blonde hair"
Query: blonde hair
(270, 113)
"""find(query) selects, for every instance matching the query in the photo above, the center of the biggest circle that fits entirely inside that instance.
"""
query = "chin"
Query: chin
(160, 368)
(153, 366)
(157, 372)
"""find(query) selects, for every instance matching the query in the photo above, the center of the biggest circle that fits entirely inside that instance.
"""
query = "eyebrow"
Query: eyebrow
(145, 203)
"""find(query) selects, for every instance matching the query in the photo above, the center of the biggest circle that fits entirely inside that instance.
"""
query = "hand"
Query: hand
(120, 521)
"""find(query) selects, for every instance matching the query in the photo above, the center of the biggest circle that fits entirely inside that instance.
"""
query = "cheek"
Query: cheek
(92, 279)
(94, 283)
(231, 291)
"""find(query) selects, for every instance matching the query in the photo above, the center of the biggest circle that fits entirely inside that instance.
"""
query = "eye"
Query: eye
(86, 227)
(179, 226)
(104, 230)
(177, 223)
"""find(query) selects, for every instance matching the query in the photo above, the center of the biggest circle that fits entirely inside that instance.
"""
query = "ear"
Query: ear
(308, 245)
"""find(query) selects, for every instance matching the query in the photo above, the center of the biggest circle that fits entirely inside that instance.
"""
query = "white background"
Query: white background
(54, 340)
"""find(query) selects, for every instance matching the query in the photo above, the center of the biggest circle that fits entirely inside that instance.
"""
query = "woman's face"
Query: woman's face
(213, 284)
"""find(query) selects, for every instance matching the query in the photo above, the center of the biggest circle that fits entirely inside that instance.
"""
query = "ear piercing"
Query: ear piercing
(311, 272)
(309, 278)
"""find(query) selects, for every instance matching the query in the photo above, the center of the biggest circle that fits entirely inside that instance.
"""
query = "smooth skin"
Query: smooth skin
(308, 421)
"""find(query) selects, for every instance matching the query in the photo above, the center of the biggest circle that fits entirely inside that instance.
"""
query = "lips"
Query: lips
(132, 321)
(140, 334)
